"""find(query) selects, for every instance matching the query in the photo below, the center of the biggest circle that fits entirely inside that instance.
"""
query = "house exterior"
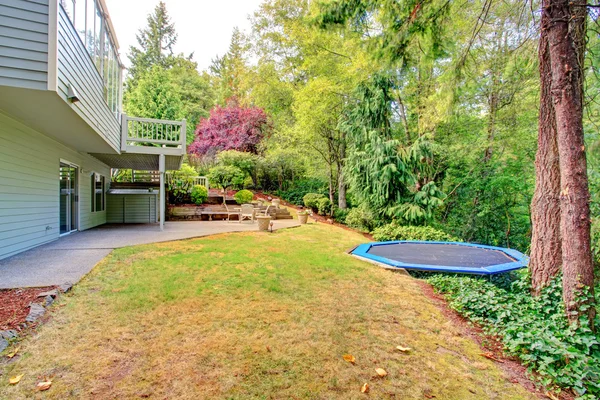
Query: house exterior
(61, 123)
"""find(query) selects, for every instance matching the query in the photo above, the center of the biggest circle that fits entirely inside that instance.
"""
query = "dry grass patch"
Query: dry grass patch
(251, 316)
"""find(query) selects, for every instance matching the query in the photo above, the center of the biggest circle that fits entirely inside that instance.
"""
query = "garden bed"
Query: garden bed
(14, 306)
(192, 212)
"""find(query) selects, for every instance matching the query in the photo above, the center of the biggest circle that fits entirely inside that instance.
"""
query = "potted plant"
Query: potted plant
(303, 216)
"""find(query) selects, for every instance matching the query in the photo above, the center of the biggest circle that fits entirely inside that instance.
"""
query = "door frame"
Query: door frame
(77, 196)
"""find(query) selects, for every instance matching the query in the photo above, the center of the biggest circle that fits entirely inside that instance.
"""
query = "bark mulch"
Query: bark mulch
(14, 306)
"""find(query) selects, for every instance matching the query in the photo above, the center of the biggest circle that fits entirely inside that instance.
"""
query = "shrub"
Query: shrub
(243, 196)
(340, 215)
(534, 329)
(295, 193)
(179, 184)
(394, 231)
(199, 194)
(361, 218)
(311, 200)
(324, 206)
(225, 176)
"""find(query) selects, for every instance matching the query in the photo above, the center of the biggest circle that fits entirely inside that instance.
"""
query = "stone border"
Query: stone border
(36, 311)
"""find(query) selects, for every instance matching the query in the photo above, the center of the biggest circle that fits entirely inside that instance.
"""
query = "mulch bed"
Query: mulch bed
(14, 306)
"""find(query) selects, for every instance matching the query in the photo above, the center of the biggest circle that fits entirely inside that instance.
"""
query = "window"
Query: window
(89, 20)
(98, 38)
(80, 19)
(90, 28)
(98, 192)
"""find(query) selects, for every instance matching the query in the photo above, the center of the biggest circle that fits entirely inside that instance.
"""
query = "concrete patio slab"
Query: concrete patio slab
(71, 257)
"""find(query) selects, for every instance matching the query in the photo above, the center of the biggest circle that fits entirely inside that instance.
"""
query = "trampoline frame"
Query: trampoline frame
(521, 260)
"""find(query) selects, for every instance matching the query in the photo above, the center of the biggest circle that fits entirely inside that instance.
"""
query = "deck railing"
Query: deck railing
(188, 182)
(152, 133)
(154, 177)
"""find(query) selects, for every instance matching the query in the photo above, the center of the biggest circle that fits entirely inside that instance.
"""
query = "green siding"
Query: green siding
(132, 208)
(24, 43)
(29, 198)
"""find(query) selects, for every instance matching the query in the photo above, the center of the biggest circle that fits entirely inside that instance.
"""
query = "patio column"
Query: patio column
(161, 170)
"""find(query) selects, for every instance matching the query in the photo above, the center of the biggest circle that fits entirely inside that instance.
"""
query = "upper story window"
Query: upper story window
(89, 20)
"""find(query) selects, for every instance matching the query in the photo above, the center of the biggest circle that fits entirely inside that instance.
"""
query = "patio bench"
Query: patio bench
(211, 213)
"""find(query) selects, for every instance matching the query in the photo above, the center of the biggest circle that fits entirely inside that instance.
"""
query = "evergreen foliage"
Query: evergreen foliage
(155, 43)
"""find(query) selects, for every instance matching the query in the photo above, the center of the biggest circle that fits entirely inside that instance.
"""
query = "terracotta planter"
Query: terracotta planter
(303, 218)
(263, 222)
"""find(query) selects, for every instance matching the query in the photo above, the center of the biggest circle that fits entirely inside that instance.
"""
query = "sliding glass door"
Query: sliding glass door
(69, 208)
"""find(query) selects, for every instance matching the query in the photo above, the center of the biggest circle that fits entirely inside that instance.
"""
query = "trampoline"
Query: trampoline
(465, 258)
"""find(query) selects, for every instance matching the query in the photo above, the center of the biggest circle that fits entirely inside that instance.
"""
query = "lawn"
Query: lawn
(251, 316)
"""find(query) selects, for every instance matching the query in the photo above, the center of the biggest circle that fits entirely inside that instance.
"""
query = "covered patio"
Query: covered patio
(71, 257)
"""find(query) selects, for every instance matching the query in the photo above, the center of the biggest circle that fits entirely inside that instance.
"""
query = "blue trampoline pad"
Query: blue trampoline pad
(443, 256)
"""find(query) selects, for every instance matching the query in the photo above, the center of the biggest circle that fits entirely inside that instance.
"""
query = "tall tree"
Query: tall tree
(194, 90)
(546, 246)
(567, 86)
(155, 43)
(229, 70)
(155, 96)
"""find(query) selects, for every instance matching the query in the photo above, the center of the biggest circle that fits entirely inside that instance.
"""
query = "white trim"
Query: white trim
(93, 187)
(72, 164)
(77, 195)
(53, 45)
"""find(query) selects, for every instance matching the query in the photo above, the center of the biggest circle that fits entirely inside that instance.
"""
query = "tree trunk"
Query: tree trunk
(546, 253)
(578, 270)
(341, 181)
(491, 129)
(402, 110)
(331, 191)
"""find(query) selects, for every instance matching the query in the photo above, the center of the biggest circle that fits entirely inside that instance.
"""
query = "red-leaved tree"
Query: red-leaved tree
(231, 128)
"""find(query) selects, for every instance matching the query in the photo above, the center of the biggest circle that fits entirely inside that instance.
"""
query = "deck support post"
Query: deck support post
(161, 170)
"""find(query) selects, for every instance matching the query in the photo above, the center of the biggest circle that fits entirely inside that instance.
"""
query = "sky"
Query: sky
(204, 27)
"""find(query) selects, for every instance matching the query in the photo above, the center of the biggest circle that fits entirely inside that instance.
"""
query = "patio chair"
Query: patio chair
(231, 212)
(247, 212)
(265, 212)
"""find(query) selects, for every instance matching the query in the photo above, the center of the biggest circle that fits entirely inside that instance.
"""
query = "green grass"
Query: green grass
(251, 316)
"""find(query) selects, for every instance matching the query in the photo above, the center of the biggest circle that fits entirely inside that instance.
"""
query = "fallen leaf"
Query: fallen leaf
(350, 358)
(551, 395)
(381, 372)
(491, 357)
(428, 395)
(365, 388)
(15, 379)
(14, 353)
(403, 349)
(44, 385)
